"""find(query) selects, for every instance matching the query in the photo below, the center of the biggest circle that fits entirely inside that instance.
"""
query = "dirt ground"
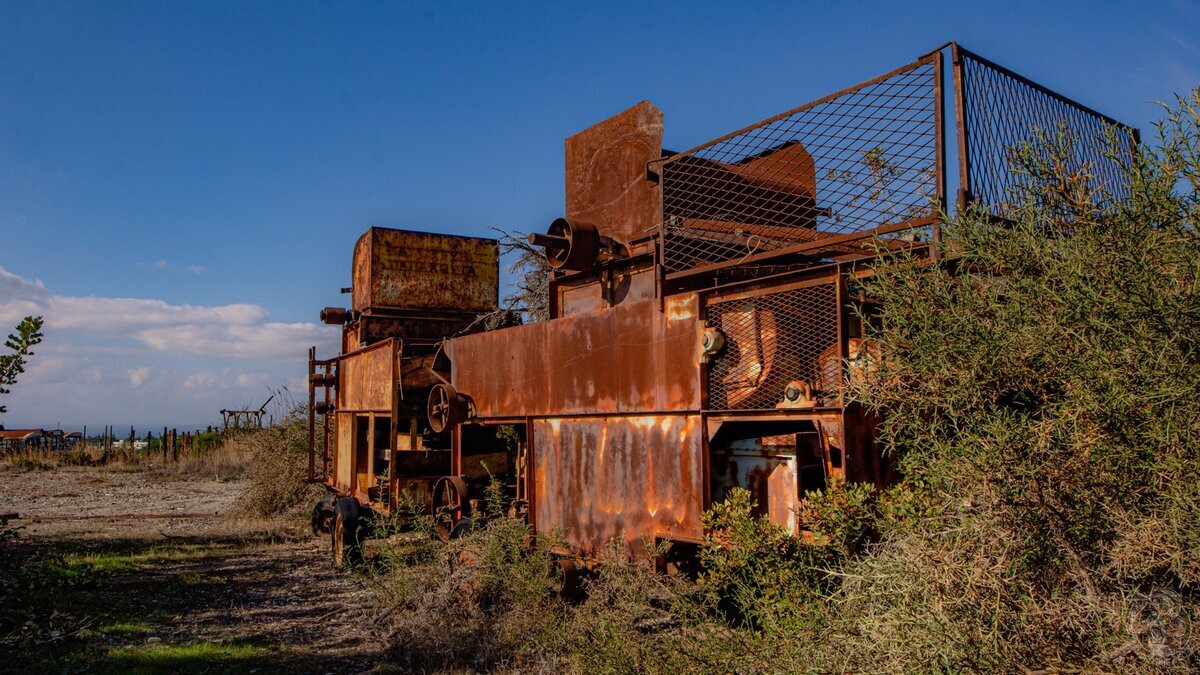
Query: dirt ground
(177, 581)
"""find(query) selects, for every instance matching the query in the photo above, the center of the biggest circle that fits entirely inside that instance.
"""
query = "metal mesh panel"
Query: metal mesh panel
(771, 340)
(848, 163)
(1001, 110)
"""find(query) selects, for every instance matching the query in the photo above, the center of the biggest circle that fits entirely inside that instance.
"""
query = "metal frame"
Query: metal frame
(713, 181)
(856, 128)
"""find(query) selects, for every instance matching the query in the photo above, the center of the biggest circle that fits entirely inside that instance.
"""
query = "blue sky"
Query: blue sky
(181, 183)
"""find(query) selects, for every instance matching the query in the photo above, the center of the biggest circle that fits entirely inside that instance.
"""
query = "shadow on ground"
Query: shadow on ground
(192, 604)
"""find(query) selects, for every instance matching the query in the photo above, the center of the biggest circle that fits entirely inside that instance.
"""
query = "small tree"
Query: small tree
(19, 344)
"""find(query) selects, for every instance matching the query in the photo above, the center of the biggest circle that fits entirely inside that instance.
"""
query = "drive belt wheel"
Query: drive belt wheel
(450, 507)
(446, 408)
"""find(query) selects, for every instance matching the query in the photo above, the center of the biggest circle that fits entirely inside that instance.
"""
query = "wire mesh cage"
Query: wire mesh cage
(846, 164)
(1001, 110)
(774, 340)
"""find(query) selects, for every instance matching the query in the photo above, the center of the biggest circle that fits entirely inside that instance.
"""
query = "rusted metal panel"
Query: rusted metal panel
(625, 285)
(606, 173)
(579, 299)
(365, 380)
(430, 327)
(343, 460)
(628, 358)
(631, 478)
(768, 471)
(397, 269)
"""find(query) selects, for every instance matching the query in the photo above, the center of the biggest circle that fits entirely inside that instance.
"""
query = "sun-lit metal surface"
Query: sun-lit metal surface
(628, 358)
(701, 332)
(397, 269)
(365, 379)
(606, 171)
(629, 477)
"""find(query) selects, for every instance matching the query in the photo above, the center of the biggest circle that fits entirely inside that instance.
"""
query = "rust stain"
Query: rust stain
(397, 269)
(628, 358)
(628, 478)
(365, 379)
(606, 173)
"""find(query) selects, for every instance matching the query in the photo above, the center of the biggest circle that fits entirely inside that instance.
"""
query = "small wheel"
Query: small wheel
(445, 408)
(347, 549)
(450, 505)
(568, 578)
(462, 528)
(322, 516)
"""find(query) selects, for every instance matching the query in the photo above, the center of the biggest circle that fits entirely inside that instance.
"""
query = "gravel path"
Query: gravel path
(204, 575)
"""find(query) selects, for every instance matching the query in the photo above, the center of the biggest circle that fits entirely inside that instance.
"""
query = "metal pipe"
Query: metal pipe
(549, 240)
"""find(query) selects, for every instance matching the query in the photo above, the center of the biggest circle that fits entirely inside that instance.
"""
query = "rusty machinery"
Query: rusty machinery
(703, 326)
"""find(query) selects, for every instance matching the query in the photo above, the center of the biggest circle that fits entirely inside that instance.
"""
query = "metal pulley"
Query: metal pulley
(449, 505)
(323, 379)
(446, 408)
(575, 246)
(798, 394)
(335, 316)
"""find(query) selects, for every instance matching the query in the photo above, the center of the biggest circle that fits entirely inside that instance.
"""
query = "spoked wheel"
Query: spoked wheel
(450, 506)
(344, 533)
(445, 408)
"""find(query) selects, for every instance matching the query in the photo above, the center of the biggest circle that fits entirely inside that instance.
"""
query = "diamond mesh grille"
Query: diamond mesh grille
(771, 340)
(1001, 110)
(849, 163)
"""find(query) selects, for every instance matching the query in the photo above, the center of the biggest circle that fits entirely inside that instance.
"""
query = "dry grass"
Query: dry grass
(278, 469)
(229, 460)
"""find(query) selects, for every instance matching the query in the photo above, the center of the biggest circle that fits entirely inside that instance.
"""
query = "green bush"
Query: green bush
(759, 575)
(1042, 388)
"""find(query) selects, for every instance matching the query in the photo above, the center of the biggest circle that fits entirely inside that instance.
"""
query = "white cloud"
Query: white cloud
(248, 380)
(201, 380)
(137, 376)
(160, 264)
(239, 330)
(146, 361)
(197, 269)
